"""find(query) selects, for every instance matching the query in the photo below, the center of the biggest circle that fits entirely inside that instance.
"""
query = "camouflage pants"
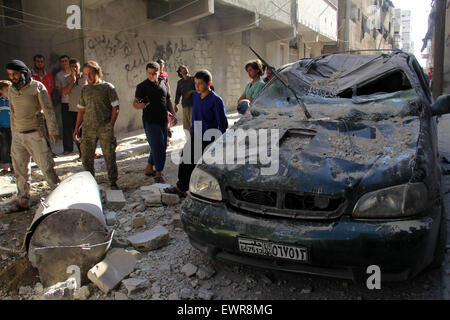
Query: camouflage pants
(108, 143)
(24, 146)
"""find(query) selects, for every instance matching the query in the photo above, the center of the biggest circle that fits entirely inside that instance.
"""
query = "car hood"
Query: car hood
(329, 157)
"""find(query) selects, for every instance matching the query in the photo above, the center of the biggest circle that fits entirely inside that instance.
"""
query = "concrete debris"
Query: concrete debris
(127, 228)
(134, 284)
(173, 296)
(110, 217)
(108, 273)
(170, 199)
(23, 291)
(138, 221)
(156, 186)
(189, 270)
(205, 294)
(186, 294)
(61, 290)
(120, 296)
(176, 221)
(266, 279)
(115, 199)
(151, 239)
(152, 198)
(82, 294)
(38, 289)
(205, 273)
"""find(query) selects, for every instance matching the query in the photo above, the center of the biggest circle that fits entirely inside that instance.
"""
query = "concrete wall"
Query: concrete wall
(123, 52)
(319, 16)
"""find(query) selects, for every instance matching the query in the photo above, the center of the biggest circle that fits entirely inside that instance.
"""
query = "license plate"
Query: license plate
(270, 249)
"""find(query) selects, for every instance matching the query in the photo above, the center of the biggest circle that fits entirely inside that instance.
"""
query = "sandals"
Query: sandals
(150, 173)
(175, 190)
(159, 179)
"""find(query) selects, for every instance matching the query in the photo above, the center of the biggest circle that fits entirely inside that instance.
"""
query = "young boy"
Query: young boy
(5, 125)
(209, 110)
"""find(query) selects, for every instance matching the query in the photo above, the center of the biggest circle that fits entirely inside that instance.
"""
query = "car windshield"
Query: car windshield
(276, 98)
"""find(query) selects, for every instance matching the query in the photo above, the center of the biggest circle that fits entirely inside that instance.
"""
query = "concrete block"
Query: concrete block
(205, 273)
(108, 273)
(110, 218)
(176, 221)
(115, 199)
(138, 221)
(170, 199)
(152, 197)
(134, 284)
(189, 270)
(151, 239)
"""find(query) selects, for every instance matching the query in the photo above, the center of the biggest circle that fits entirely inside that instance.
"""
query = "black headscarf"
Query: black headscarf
(18, 65)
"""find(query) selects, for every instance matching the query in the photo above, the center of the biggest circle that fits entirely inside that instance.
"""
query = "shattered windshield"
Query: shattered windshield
(326, 104)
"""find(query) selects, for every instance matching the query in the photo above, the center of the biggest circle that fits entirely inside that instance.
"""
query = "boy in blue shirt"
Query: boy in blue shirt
(209, 110)
(5, 125)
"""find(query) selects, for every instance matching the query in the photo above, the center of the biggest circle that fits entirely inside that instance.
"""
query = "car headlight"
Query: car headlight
(205, 185)
(394, 202)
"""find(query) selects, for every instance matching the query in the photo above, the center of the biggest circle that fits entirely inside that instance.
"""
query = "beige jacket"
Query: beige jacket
(29, 105)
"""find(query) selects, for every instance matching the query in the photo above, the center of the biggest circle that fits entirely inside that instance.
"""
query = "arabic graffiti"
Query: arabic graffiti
(133, 52)
(172, 56)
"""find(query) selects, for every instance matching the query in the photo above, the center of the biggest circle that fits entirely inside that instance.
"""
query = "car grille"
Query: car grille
(290, 205)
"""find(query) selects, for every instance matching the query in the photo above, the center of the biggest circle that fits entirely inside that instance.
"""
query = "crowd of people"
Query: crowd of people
(90, 108)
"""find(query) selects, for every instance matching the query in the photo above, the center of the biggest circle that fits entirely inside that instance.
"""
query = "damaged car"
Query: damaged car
(357, 180)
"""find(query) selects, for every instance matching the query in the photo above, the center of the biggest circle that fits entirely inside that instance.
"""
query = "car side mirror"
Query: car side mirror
(441, 106)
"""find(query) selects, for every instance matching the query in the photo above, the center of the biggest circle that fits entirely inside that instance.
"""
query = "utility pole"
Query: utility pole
(344, 7)
(439, 48)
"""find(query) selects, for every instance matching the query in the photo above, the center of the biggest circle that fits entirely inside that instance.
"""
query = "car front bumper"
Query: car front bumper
(342, 248)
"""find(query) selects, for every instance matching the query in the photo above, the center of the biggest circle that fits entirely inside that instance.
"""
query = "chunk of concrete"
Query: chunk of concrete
(82, 294)
(189, 270)
(134, 284)
(138, 221)
(151, 239)
(176, 221)
(205, 273)
(170, 199)
(111, 218)
(152, 198)
(155, 186)
(108, 273)
(115, 199)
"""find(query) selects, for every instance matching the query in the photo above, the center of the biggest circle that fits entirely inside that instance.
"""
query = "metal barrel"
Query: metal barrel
(68, 229)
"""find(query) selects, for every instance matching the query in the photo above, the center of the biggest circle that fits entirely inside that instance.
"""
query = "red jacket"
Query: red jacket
(47, 80)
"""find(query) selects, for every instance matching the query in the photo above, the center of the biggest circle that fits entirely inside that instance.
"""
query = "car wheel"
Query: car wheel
(439, 253)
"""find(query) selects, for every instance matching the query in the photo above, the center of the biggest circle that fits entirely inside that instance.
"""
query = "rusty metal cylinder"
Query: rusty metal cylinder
(68, 229)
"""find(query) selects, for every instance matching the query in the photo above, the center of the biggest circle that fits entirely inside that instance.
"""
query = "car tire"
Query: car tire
(439, 252)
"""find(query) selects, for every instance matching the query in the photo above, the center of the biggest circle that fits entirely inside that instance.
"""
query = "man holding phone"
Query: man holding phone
(153, 98)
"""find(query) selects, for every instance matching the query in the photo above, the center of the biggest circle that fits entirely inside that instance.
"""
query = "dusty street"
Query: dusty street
(163, 271)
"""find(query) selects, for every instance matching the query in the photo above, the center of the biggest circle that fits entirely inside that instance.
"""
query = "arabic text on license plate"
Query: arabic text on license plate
(270, 249)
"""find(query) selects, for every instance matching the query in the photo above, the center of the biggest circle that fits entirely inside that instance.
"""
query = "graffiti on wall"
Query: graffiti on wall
(131, 52)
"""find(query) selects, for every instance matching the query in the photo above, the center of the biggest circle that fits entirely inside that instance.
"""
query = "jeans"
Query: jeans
(157, 140)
